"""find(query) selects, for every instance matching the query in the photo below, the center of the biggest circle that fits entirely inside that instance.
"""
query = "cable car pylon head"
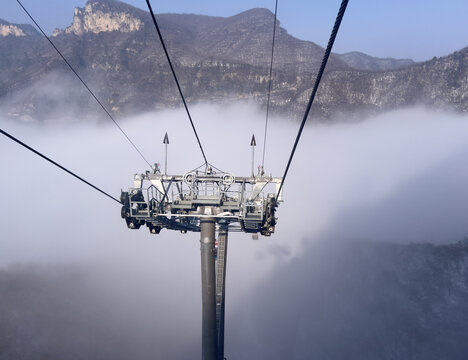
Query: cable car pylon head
(180, 202)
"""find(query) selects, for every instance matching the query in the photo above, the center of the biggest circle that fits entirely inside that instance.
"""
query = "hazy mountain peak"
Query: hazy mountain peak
(257, 18)
(104, 16)
(7, 29)
(361, 61)
(256, 12)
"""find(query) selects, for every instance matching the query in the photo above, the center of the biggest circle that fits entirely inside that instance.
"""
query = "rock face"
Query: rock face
(115, 48)
(7, 29)
(102, 16)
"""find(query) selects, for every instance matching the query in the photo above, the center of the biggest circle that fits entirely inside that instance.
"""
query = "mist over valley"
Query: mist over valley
(369, 259)
(126, 293)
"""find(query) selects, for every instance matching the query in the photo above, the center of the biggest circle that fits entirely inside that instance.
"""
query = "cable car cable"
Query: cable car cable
(175, 78)
(269, 84)
(84, 84)
(331, 41)
(58, 165)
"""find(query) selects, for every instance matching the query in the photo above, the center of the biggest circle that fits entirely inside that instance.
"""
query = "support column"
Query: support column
(221, 287)
(209, 331)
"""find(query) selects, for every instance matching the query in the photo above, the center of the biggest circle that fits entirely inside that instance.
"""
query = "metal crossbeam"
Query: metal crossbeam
(179, 202)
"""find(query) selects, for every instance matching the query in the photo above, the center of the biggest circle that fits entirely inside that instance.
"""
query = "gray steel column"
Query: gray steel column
(209, 331)
(221, 287)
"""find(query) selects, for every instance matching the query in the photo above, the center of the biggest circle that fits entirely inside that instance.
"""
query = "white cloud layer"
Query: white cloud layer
(398, 177)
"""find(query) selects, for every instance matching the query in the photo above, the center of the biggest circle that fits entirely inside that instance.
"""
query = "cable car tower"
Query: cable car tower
(205, 200)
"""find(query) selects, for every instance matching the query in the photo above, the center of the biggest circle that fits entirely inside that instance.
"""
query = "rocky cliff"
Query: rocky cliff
(8, 29)
(102, 16)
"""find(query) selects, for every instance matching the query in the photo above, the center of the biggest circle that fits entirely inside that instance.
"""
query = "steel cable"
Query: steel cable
(85, 85)
(269, 84)
(175, 78)
(331, 41)
(57, 164)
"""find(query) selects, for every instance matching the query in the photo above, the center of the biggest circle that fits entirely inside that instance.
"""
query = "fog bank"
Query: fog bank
(399, 177)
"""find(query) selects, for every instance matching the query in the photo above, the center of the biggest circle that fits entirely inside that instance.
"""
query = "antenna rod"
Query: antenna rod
(165, 142)
(253, 143)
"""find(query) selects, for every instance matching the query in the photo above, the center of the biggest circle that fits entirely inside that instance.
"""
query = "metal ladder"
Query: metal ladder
(221, 287)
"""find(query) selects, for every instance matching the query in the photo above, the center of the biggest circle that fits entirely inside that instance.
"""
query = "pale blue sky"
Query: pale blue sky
(417, 29)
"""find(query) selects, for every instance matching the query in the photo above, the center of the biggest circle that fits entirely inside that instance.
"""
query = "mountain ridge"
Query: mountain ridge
(361, 61)
(216, 59)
